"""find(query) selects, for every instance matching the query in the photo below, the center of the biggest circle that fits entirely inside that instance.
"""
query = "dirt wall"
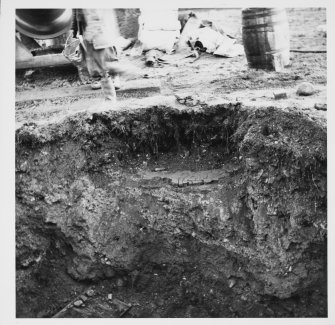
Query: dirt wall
(236, 194)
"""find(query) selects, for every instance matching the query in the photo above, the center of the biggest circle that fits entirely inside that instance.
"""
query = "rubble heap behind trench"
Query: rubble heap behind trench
(219, 195)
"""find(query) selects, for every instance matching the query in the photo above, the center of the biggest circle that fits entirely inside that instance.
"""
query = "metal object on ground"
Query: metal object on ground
(43, 23)
(265, 34)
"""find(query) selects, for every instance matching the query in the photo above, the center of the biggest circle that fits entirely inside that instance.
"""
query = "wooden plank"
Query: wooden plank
(48, 60)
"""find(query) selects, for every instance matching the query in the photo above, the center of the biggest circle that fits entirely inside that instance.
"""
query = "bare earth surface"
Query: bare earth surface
(208, 77)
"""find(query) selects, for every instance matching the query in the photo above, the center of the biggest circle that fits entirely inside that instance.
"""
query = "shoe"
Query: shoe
(96, 85)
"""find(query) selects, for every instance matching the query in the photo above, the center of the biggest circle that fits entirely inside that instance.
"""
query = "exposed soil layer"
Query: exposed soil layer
(239, 195)
(213, 209)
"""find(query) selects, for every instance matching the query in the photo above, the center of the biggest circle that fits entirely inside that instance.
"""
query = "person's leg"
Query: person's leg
(116, 81)
(95, 60)
(108, 88)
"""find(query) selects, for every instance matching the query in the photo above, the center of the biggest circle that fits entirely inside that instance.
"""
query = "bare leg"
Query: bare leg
(108, 88)
(116, 81)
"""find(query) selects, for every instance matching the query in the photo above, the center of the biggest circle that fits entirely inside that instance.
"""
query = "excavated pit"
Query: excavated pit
(218, 210)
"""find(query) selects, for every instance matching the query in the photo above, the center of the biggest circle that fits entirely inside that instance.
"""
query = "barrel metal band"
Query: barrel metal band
(265, 25)
(262, 14)
(283, 49)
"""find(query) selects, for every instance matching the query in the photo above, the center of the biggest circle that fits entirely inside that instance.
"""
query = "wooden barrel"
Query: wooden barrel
(265, 34)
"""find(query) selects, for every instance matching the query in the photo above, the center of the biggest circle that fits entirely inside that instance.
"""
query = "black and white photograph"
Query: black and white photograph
(170, 161)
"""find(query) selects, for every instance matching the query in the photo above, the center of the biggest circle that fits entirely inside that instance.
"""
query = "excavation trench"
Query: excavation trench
(218, 210)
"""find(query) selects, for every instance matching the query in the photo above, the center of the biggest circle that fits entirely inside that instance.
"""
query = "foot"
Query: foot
(96, 85)
(116, 82)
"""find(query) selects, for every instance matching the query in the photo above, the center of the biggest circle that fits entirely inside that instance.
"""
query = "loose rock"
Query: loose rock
(29, 73)
(90, 293)
(78, 303)
(159, 169)
(320, 107)
(83, 298)
(24, 167)
(305, 89)
(280, 94)
(231, 283)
